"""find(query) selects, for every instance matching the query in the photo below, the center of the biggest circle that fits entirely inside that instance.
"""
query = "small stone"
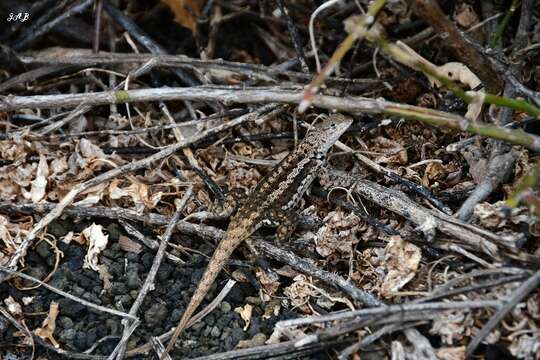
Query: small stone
(64, 322)
(67, 335)
(133, 280)
(114, 232)
(215, 332)
(119, 288)
(43, 249)
(91, 297)
(259, 339)
(198, 326)
(225, 307)
(91, 337)
(112, 325)
(156, 314)
(57, 229)
(77, 290)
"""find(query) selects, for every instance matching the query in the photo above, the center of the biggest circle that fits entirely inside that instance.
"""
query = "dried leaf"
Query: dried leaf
(5, 236)
(13, 306)
(46, 330)
(37, 191)
(465, 15)
(451, 327)
(186, 12)
(526, 346)
(451, 353)
(271, 309)
(337, 234)
(299, 292)
(401, 260)
(128, 245)
(93, 195)
(388, 151)
(97, 242)
(268, 280)
(245, 313)
(137, 191)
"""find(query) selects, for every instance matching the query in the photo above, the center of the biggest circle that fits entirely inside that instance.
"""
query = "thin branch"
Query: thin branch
(232, 95)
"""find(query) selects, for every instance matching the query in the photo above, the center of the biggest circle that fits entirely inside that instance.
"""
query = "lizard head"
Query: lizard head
(327, 131)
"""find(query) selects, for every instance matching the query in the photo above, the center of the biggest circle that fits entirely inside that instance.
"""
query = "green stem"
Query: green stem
(398, 54)
(503, 24)
(529, 181)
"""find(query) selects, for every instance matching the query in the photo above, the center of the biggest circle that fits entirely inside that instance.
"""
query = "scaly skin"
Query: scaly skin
(277, 192)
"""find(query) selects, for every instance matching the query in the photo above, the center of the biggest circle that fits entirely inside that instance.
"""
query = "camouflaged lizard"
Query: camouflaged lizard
(272, 201)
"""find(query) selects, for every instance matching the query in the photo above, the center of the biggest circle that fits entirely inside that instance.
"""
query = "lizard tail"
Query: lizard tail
(216, 263)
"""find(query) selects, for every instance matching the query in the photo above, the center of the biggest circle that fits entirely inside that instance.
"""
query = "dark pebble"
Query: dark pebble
(164, 272)
(91, 297)
(64, 322)
(71, 308)
(133, 279)
(67, 335)
(80, 340)
(156, 314)
(119, 288)
(124, 300)
(91, 337)
(113, 326)
(114, 232)
(147, 260)
(43, 249)
(58, 228)
(116, 269)
(132, 257)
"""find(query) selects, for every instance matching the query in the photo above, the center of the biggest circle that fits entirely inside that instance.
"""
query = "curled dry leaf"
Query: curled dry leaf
(46, 330)
(388, 151)
(245, 313)
(128, 245)
(497, 215)
(401, 261)
(93, 195)
(451, 353)
(240, 175)
(13, 307)
(526, 346)
(97, 242)
(338, 234)
(137, 191)
(90, 151)
(271, 309)
(299, 293)
(37, 191)
(268, 280)
(186, 12)
(5, 236)
(452, 327)
(465, 15)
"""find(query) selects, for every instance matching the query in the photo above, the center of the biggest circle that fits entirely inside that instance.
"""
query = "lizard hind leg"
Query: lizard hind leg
(287, 224)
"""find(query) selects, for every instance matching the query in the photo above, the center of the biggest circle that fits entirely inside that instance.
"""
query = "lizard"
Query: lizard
(272, 200)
